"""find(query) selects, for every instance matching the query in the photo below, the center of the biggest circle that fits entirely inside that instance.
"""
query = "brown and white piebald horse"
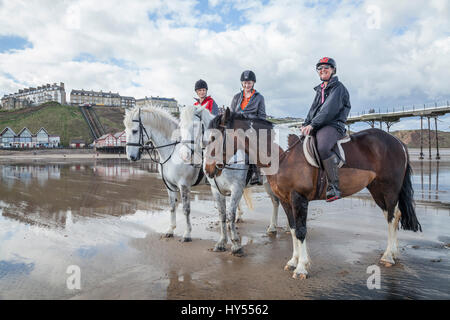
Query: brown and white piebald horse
(375, 160)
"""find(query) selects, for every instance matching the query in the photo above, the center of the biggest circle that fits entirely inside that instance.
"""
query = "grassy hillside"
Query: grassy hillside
(65, 121)
(111, 118)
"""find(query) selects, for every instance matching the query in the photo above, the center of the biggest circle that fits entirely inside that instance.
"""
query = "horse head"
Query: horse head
(215, 155)
(134, 132)
(192, 129)
(148, 125)
(231, 132)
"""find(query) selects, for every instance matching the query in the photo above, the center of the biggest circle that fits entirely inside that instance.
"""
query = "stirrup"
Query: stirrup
(335, 196)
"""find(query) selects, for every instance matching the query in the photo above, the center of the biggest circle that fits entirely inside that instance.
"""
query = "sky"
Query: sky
(389, 54)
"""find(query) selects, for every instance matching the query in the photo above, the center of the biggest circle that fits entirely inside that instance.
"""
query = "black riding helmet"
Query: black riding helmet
(328, 61)
(248, 75)
(201, 84)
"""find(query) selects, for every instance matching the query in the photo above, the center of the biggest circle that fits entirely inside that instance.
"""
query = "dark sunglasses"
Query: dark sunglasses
(325, 66)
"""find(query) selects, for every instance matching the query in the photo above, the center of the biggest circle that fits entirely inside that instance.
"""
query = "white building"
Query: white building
(35, 96)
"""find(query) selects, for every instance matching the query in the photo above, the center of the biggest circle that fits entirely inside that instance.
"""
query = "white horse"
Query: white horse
(193, 124)
(156, 126)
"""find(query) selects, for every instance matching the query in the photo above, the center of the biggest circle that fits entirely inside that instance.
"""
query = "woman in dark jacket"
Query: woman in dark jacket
(326, 119)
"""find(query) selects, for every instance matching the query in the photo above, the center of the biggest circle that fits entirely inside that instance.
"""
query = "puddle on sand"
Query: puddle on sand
(107, 217)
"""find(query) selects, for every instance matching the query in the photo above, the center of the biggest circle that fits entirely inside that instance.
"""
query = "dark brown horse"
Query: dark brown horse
(374, 159)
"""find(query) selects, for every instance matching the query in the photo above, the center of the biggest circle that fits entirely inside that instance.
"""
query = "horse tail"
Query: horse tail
(248, 198)
(406, 203)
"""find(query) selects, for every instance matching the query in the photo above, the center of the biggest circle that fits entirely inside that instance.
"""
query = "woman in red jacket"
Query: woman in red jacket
(201, 88)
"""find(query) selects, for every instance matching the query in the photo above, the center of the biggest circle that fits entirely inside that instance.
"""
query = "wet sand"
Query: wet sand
(108, 217)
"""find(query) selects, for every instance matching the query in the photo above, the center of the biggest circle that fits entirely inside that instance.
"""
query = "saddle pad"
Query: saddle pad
(312, 156)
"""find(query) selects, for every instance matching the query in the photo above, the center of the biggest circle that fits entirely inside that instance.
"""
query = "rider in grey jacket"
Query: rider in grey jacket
(256, 107)
(251, 103)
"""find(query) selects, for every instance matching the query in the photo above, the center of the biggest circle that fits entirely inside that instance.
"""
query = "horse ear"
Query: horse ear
(226, 116)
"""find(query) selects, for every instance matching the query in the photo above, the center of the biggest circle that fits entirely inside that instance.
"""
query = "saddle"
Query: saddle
(312, 155)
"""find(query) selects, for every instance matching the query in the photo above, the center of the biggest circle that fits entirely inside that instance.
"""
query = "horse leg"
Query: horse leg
(186, 199)
(392, 251)
(292, 263)
(300, 211)
(173, 201)
(276, 204)
(239, 213)
(221, 206)
(236, 247)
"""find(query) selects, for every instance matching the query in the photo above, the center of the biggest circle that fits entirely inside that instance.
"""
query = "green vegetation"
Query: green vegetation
(62, 120)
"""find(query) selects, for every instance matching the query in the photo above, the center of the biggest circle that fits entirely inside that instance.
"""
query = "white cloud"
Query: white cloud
(402, 62)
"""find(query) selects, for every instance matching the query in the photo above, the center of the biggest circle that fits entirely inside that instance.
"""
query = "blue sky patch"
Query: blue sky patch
(14, 268)
(8, 43)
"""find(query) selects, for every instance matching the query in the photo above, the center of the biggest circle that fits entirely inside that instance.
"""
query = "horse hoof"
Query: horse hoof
(289, 268)
(168, 235)
(271, 231)
(219, 249)
(387, 264)
(188, 239)
(237, 252)
(299, 276)
(239, 220)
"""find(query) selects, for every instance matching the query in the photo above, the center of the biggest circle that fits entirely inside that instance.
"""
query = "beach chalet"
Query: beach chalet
(42, 138)
(7, 138)
(121, 139)
(24, 139)
(106, 140)
(77, 143)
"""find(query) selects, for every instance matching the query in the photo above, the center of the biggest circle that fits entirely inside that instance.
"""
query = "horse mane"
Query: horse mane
(160, 119)
(187, 114)
(215, 123)
(243, 116)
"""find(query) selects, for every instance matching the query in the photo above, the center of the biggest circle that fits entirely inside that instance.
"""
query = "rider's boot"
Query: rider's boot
(331, 168)
(256, 177)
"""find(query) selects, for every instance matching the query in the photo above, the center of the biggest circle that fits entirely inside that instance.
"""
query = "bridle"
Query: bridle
(148, 145)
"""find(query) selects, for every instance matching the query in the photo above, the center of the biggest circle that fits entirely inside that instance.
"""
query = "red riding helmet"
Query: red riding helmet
(328, 61)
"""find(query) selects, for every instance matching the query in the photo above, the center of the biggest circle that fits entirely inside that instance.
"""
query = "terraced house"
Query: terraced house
(100, 98)
(25, 139)
(34, 96)
(169, 103)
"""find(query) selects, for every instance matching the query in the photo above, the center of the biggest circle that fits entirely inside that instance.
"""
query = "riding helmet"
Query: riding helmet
(328, 61)
(248, 75)
(201, 84)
